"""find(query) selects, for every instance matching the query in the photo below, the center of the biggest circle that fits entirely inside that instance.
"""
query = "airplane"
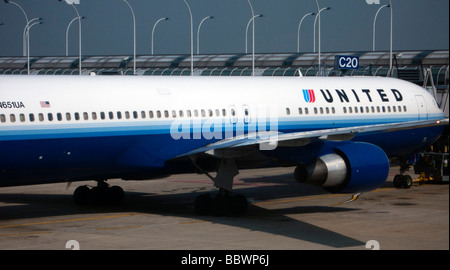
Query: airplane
(338, 132)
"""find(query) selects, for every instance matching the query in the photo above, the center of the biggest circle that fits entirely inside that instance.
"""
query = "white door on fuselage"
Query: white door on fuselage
(422, 106)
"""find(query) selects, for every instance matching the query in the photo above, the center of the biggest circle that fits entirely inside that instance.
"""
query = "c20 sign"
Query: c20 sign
(347, 62)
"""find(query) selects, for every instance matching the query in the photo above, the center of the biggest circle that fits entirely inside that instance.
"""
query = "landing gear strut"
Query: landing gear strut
(102, 194)
(224, 203)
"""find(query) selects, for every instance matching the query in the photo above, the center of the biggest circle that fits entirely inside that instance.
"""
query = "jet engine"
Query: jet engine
(352, 167)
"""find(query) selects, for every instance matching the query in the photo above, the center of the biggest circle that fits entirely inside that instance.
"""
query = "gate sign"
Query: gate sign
(347, 62)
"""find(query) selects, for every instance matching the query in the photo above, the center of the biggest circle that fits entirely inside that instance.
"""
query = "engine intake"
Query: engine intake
(353, 167)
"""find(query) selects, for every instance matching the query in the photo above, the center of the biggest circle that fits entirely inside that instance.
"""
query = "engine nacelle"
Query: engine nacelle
(353, 167)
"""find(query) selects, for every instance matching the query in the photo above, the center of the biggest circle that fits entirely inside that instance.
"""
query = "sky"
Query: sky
(108, 26)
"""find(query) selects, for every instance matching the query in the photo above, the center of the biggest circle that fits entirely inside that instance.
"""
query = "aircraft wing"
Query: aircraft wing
(268, 140)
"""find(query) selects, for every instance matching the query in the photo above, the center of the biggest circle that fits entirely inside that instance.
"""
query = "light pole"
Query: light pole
(67, 33)
(134, 36)
(374, 21)
(390, 46)
(154, 26)
(27, 24)
(72, 3)
(24, 37)
(198, 32)
(192, 39)
(246, 29)
(318, 16)
(298, 30)
(253, 38)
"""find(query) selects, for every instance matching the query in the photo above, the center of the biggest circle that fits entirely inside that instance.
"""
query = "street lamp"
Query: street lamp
(374, 21)
(67, 33)
(192, 39)
(27, 27)
(198, 32)
(134, 36)
(72, 3)
(298, 30)
(318, 16)
(390, 46)
(25, 33)
(154, 26)
(253, 42)
(315, 21)
(246, 30)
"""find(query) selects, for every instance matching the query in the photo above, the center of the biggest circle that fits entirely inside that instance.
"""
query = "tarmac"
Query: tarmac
(282, 215)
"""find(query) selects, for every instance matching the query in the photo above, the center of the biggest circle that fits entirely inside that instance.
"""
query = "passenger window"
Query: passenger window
(203, 113)
(59, 116)
(135, 115)
(22, 117)
(181, 113)
(404, 109)
(77, 116)
(174, 114)
(127, 115)
(86, 116)
(119, 115)
(166, 114)
(50, 116)
(217, 112)
(196, 113)
(158, 114)
(288, 111)
(111, 115)
(150, 114)
(12, 118)
(2, 118)
(300, 111)
(68, 117)
(31, 117)
(102, 115)
(94, 116)
(210, 113)
(41, 117)
(143, 115)
(224, 112)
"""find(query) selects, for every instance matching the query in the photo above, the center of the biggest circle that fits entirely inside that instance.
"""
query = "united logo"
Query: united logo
(309, 96)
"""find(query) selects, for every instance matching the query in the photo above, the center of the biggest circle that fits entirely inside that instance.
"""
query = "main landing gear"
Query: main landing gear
(102, 194)
(224, 203)
(403, 180)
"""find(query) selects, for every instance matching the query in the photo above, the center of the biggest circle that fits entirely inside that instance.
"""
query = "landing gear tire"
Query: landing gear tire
(221, 205)
(402, 181)
(81, 196)
(100, 195)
